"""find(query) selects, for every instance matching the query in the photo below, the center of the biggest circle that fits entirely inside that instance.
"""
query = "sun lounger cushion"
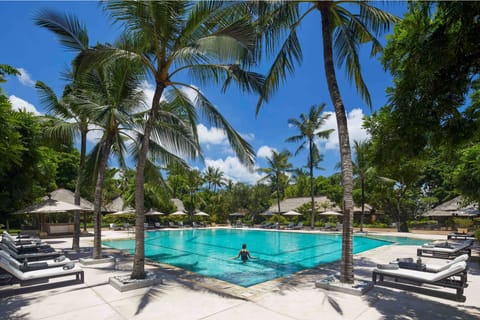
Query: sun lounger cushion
(39, 274)
(422, 276)
(441, 267)
(60, 259)
(69, 266)
(455, 276)
(28, 266)
(388, 266)
(33, 266)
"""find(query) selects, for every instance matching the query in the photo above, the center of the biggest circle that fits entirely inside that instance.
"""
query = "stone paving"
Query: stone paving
(185, 295)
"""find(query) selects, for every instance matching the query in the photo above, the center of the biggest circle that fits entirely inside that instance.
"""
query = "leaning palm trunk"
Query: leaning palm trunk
(346, 267)
(97, 204)
(76, 217)
(138, 270)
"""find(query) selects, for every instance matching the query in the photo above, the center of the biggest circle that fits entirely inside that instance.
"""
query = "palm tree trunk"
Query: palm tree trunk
(346, 266)
(97, 203)
(76, 216)
(278, 193)
(363, 204)
(312, 193)
(138, 269)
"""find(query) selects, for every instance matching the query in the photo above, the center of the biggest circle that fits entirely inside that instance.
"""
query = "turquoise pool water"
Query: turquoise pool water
(400, 240)
(210, 251)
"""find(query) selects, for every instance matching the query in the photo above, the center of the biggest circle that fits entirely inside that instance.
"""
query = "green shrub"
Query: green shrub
(375, 225)
(413, 223)
(463, 222)
(477, 234)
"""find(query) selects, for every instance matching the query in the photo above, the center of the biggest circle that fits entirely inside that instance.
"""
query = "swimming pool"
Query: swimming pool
(210, 251)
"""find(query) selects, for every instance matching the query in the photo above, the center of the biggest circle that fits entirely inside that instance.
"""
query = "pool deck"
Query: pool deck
(183, 295)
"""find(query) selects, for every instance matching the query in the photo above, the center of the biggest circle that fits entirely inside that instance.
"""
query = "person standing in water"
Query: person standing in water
(244, 254)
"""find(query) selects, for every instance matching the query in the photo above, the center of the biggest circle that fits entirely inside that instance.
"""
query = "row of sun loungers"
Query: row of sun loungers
(29, 261)
(407, 271)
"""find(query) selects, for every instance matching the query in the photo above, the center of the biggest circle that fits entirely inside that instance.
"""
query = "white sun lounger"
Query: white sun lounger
(35, 265)
(410, 263)
(454, 276)
(31, 277)
(31, 256)
(23, 242)
(445, 249)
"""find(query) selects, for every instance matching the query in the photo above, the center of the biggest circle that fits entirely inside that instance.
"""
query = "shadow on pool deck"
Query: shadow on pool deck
(186, 295)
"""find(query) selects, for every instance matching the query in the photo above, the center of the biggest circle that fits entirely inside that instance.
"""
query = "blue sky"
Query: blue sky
(39, 56)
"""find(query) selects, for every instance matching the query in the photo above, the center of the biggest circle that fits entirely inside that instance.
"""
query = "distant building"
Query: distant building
(322, 203)
(453, 208)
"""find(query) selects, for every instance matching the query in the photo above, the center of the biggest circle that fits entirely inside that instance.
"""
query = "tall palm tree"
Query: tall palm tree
(169, 38)
(73, 35)
(309, 127)
(361, 168)
(342, 34)
(70, 122)
(109, 95)
(275, 172)
(214, 178)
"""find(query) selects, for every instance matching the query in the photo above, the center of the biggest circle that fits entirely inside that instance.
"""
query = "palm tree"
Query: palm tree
(69, 123)
(278, 166)
(168, 37)
(214, 178)
(73, 35)
(343, 31)
(361, 168)
(109, 95)
(309, 127)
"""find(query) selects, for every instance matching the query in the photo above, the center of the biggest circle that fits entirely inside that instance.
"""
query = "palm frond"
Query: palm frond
(61, 131)
(50, 101)
(71, 33)
(240, 146)
(289, 54)
(346, 49)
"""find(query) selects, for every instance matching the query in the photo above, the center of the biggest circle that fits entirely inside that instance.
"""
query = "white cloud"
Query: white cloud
(20, 104)
(234, 170)
(148, 91)
(212, 135)
(25, 78)
(265, 152)
(355, 130)
(95, 133)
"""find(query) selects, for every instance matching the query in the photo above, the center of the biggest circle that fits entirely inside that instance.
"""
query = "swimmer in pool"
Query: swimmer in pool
(244, 254)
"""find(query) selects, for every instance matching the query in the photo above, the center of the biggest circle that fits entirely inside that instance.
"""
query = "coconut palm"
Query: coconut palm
(109, 95)
(69, 123)
(342, 34)
(309, 127)
(73, 35)
(214, 178)
(361, 168)
(169, 38)
(276, 172)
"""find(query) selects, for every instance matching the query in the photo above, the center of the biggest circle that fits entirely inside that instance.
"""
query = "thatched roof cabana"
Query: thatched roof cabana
(453, 207)
(295, 203)
(68, 196)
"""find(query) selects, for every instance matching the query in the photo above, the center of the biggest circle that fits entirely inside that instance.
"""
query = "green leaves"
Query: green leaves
(70, 32)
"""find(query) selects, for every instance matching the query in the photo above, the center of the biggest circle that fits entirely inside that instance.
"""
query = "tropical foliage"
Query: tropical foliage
(422, 148)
